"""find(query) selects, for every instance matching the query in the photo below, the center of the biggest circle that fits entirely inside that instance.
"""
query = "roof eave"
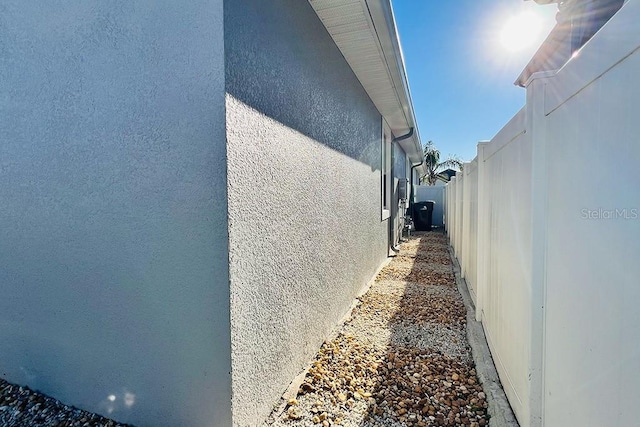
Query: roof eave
(384, 21)
(391, 94)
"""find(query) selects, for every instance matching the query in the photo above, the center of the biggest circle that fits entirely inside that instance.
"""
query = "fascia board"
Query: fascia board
(384, 22)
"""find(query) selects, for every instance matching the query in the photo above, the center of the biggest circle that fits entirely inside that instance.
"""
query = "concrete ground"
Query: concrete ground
(403, 356)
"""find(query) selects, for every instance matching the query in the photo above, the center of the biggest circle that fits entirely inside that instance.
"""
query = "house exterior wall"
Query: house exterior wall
(304, 188)
(113, 258)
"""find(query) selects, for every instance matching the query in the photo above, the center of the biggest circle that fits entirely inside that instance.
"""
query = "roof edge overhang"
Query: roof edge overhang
(382, 73)
(551, 55)
(385, 25)
(577, 22)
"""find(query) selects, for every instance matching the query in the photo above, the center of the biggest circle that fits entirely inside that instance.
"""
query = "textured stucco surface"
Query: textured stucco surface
(113, 253)
(281, 61)
(304, 194)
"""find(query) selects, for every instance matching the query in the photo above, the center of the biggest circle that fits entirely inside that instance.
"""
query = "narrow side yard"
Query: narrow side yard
(402, 358)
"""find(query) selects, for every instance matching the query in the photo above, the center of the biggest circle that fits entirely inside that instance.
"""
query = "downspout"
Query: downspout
(400, 138)
(391, 224)
(411, 194)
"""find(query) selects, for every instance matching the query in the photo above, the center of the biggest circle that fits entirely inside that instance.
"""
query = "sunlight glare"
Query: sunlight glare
(520, 31)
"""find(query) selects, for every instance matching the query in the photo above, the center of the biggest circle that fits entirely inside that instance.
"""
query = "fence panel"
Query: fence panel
(505, 309)
(495, 218)
(589, 129)
(470, 225)
(552, 212)
(458, 215)
(451, 215)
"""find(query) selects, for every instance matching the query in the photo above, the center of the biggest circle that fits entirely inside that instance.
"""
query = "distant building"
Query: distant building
(447, 174)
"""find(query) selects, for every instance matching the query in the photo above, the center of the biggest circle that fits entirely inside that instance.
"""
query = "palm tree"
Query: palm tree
(434, 166)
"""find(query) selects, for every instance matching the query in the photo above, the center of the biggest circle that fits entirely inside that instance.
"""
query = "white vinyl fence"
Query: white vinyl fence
(545, 224)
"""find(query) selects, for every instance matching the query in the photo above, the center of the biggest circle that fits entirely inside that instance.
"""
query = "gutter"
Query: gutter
(403, 137)
(411, 193)
(383, 20)
(371, 23)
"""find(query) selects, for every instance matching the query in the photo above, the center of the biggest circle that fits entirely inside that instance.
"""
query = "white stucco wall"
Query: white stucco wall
(304, 194)
(113, 249)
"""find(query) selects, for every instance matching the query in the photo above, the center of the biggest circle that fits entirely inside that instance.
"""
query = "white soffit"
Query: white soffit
(365, 33)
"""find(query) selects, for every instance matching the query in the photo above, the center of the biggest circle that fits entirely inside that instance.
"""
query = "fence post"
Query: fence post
(484, 249)
(452, 213)
(445, 208)
(459, 206)
(466, 219)
(536, 124)
(459, 202)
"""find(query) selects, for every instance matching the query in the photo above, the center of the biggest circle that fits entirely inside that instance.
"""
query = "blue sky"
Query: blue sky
(461, 76)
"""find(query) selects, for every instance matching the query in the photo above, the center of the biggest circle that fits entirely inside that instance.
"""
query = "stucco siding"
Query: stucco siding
(303, 143)
(113, 253)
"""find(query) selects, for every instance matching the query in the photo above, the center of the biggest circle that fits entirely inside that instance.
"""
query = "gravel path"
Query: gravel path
(401, 359)
(21, 407)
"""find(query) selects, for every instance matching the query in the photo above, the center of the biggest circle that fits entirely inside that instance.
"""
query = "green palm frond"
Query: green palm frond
(434, 166)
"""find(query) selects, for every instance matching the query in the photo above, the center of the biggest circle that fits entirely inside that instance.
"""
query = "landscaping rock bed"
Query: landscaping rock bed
(402, 358)
(21, 407)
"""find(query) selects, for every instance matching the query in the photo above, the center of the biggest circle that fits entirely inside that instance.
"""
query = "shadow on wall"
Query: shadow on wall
(281, 61)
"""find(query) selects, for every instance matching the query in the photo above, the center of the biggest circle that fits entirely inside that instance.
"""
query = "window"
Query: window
(385, 170)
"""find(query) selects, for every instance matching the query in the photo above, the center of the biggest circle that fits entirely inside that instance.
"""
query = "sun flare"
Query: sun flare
(520, 31)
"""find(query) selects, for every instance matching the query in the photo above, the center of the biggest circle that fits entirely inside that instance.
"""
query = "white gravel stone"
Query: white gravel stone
(413, 337)
(451, 342)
